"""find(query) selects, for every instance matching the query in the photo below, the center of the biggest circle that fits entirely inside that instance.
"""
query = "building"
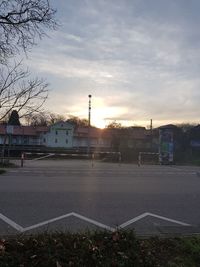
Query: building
(22, 135)
(93, 137)
(194, 136)
(136, 138)
(170, 144)
(59, 135)
(65, 135)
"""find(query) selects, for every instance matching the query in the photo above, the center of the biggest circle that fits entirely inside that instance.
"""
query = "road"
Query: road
(74, 195)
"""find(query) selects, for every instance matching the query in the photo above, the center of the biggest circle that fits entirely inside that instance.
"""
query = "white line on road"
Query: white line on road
(94, 222)
(168, 219)
(64, 171)
(176, 168)
(47, 222)
(152, 215)
(134, 220)
(11, 223)
(73, 214)
(69, 215)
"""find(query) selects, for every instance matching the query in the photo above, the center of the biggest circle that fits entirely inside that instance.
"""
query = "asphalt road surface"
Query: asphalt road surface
(74, 195)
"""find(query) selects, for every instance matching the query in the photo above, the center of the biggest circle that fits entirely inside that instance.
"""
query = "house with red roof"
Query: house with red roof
(69, 136)
(22, 135)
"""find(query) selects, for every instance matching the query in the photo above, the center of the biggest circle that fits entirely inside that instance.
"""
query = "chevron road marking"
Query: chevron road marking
(94, 222)
(69, 215)
(21, 229)
(168, 219)
(123, 225)
(47, 222)
(11, 223)
(152, 215)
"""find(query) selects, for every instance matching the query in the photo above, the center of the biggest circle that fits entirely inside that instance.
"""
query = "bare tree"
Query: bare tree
(36, 119)
(114, 125)
(54, 118)
(77, 121)
(21, 22)
(18, 91)
(43, 118)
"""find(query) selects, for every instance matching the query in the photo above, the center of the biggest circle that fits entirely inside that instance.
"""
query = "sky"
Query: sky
(139, 59)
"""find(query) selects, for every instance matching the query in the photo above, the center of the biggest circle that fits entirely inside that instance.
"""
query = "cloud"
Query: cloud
(141, 57)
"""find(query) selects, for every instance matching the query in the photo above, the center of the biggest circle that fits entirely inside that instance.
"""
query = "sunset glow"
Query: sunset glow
(138, 70)
(101, 114)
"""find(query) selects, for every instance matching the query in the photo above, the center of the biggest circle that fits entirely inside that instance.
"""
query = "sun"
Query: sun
(101, 116)
(101, 113)
(98, 121)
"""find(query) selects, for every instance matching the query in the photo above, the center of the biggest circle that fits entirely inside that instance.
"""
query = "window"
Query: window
(67, 132)
(66, 141)
(44, 140)
(14, 141)
(56, 132)
(56, 141)
(25, 140)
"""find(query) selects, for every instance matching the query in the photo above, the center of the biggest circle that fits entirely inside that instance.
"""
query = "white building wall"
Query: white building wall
(59, 135)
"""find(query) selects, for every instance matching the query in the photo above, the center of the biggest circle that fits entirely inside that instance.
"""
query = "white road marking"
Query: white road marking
(176, 168)
(152, 215)
(11, 223)
(47, 222)
(94, 222)
(134, 220)
(101, 225)
(72, 214)
(69, 215)
(168, 219)
(102, 172)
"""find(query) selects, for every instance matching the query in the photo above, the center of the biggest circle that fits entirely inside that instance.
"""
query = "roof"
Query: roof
(62, 124)
(131, 132)
(197, 127)
(24, 130)
(168, 126)
(83, 132)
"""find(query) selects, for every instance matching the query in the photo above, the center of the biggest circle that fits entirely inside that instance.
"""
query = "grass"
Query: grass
(95, 249)
(2, 171)
(4, 165)
(7, 165)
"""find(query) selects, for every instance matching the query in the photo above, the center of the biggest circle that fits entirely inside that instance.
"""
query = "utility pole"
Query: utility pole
(151, 125)
(89, 122)
(151, 129)
(89, 110)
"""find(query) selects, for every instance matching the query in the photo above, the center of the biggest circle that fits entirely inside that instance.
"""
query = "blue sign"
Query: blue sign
(195, 143)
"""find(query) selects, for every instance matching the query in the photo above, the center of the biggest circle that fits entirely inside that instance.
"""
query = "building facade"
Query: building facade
(59, 135)
(66, 135)
(22, 135)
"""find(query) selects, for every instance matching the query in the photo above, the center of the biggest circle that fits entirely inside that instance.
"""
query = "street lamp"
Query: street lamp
(89, 122)
(89, 109)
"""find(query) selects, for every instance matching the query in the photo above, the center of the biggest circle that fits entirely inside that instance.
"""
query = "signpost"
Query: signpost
(166, 146)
